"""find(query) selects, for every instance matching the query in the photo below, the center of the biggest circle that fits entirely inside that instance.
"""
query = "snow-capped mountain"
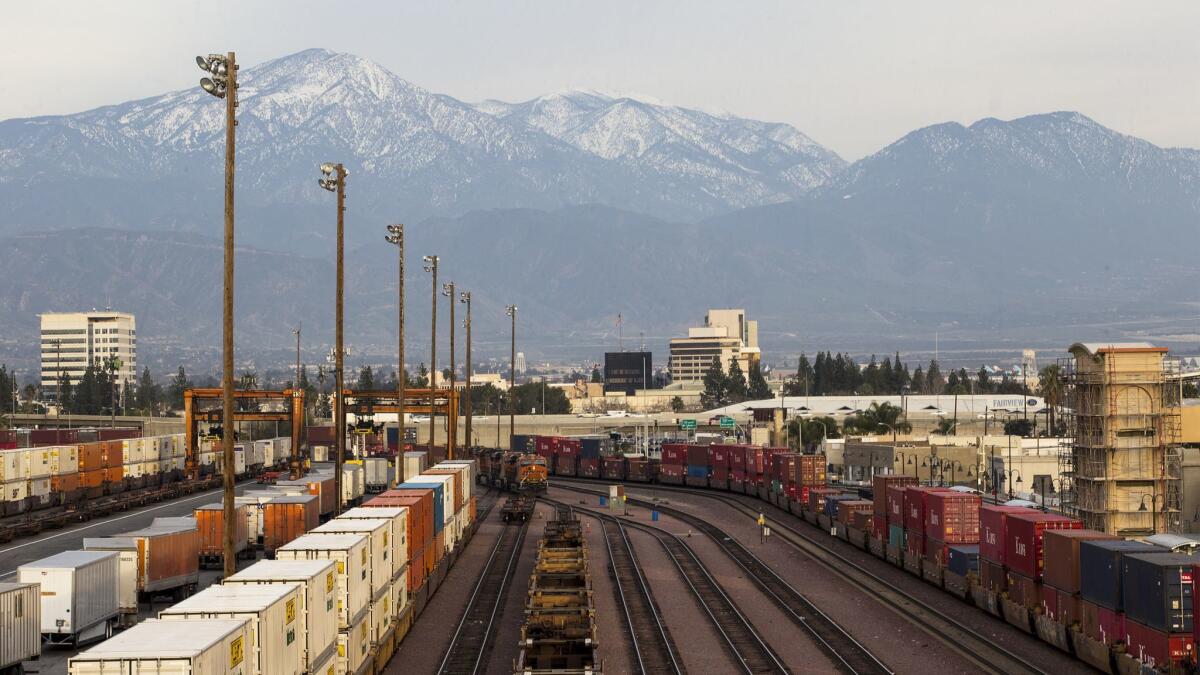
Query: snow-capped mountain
(156, 163)
(719, 151)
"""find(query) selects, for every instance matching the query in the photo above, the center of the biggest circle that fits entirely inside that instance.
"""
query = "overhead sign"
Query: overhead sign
(687, 424)
(727, 423)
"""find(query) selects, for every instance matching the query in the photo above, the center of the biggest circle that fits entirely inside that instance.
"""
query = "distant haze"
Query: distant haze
(854, 76)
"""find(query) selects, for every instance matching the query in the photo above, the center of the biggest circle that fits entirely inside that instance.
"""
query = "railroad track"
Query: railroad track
(653, 648)
(470, 646)
(748, 650)
(980, 650)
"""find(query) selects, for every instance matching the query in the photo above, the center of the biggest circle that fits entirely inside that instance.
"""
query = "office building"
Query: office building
(72, 341)
(726, 335)
(627, 372)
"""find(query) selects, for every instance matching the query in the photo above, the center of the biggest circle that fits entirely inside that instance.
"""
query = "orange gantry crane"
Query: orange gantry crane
(417, 401)
(197, 407)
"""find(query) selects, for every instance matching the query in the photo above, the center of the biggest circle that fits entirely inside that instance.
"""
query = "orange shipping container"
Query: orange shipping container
(114, 474)
(210, 520)
(91, 456)
(65, 483)
(114, 453)
(287, 517)
(91, 479)
(458, 486)
(420, 515)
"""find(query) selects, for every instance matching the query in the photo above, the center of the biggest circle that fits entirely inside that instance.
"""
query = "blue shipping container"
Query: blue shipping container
(589, 448)
(439, 506)
(832, 501)
(697, 471)
(522, 443)
(963, 559)
(1157, 590)
(1100, 569)
(895, 536)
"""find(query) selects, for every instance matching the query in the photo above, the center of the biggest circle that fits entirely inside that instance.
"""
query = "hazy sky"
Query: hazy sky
(853, 75)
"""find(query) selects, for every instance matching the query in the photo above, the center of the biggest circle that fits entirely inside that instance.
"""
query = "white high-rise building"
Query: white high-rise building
(71, 341)
(520, 365)
(725, 336)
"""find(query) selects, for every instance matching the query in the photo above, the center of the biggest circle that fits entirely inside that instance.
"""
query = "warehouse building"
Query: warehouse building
(71, 341)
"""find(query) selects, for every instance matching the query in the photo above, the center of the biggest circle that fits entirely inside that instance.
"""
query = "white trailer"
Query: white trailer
(20, 626)
(80, 594)
(155, 647)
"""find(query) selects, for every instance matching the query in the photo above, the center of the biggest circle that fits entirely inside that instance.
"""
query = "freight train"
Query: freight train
(336, 598)
(1119, 605)
(515, 471)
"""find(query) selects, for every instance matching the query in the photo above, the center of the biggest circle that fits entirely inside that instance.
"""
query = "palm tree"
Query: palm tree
(1050, 388)
(880, 418)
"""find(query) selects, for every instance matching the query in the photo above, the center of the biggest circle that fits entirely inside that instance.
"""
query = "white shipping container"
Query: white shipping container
(320, 453)
(354, 646)
(20, 624)
(351, 554)
(150, 468)
(12, 463)
(196, 647)
(64, 459)
(39, 488)
(277, 639)
(208, 458)
(376, 469)
(379, 530)
(400, 593)
(80, 591)
(382, 615)
(398, 516)
(472, 468)
(353, 486)
(38, 463)
(178, 446)
(135, 470)
(127, 568)
(318, 580)
(14, 490)
(133, 450)
(327, 665)
(414, 463)
(165, 451)
(265, 450)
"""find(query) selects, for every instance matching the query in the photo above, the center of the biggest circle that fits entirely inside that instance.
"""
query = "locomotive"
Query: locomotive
(514, 471)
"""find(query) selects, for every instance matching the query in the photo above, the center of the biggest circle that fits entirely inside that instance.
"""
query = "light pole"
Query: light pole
(395, 236)
(223, 84)
(448, 291)
(511, 311)
(465, 298)
(335, 181)
(431, 266)
(294, 463)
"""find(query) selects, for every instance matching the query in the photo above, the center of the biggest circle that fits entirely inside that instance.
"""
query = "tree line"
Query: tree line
(839, 374)
(727, 387)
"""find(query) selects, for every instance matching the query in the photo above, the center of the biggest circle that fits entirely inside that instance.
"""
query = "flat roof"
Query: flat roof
(155, 638)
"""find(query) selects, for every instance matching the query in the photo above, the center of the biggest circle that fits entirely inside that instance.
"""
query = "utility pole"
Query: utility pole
(431, 266)
(448, 291)
(338, 184)
(465, 298)
(511, 311)
(396, 236)
(294, 463)
(223, 84)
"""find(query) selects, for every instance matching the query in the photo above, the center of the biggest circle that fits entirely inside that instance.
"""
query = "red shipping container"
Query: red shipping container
(718, 457)
(880, 485)
(878, 526)
(816, 498)
(612, 467)
(935, 551)
(1089, 619)
(569, 447)
(1060, 553)
(895, 505)
(1155, 648)
(1023, 590)
(1112, 625)
(674, 453)
(952, 517)
(914, 506)
(671, 474)
(1069, 610)
(565, 465)
(810, 470)
(847, 509)
(697, 455)
(755, 467)
(589, 467)
(1024, 537)
(1049, 602)
(992, 519)
(914, 544)
(992, 576)
(737, 458)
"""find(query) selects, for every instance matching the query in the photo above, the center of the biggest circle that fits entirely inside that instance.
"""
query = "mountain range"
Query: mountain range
(578, 206)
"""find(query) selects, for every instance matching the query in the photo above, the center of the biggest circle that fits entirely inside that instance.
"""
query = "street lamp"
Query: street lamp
(222, 83)
(511, 311)
(335, 181)
(1154, 500)
(395, 236)
(448, 291)
(465, 298)
(1009, 476)
(431, 266)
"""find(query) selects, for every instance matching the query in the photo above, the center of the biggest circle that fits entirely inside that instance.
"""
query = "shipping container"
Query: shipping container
(674, 453)
(880, 484)
(420, 528)
(287, 517)
(80, 594)
(915, 504)
(397, 518)
(991, 575)
(277, 636)
(952, 517)
(1100, 579)
(894, 503)
(352, 555)
(1157, 590)
(415, 463)
(1060, 550)
(1158, 649)
(1024, 535)
(319, 595)
(380, 561)
(20, 624)
(1023, 590)
(210, 520)
(154, 647)
(962, 559)
(588, 467)
(443, 503)
(354, 484)
(354, 646)
(671, 474)
(376, 473)
(992, 520)
(155, 559)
